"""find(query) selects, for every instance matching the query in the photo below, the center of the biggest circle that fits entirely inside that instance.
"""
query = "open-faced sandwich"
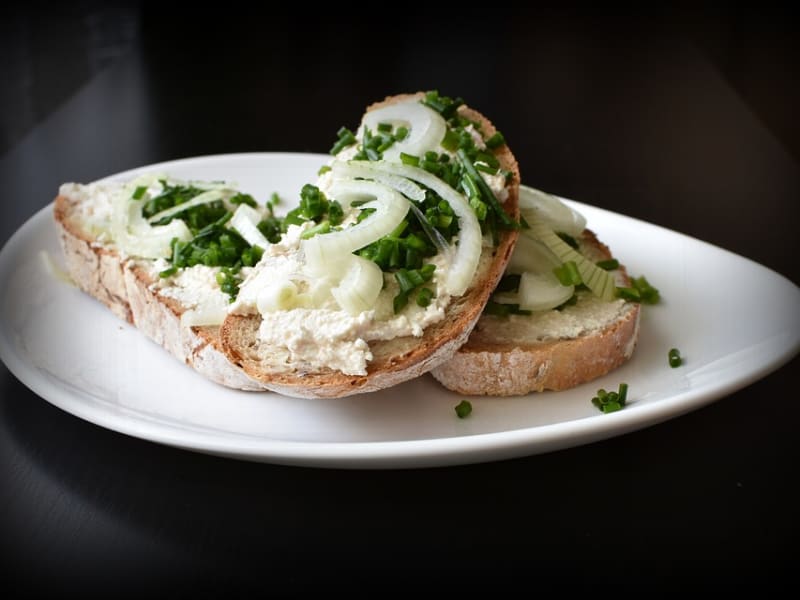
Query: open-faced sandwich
(563, 314)
(379, 275)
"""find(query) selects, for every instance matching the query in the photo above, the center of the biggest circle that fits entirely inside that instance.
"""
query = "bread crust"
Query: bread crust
(101, 272)
(487, 365)
(400, 359)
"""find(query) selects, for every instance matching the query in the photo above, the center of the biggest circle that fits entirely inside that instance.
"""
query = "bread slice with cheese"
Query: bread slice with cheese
(130, 289)
(102, 228)
(555, 349)
(401, 358)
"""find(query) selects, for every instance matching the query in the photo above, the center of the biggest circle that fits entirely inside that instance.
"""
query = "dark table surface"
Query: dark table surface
(685, 120)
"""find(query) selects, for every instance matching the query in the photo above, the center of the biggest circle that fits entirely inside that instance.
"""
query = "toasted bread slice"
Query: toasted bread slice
(398, 359)
(548, 350)
(127, 288)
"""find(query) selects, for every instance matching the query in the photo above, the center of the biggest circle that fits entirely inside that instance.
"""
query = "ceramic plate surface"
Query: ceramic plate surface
(73, 352)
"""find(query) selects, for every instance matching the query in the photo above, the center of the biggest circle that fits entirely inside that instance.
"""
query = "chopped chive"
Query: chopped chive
(495, 141)
(323, 227)
(675, 359)
(568, 239)
(346, 138)
(450, 141)
(647, 293)
(608, 265)
(168, 272)
(404, 280)
(372, 154)
(139, 192)
(488, 195)
(401, 133)
(386, 127)
(399, 302)
(408, 159)
(385, 145)
(609, 402)
(568, 273)
(323, 169)
(424, 297)
(463, 409)
(628, 293)
(480, 166)
(623, 393)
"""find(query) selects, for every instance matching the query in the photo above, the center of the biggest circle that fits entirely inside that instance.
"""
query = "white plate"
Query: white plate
(733, 320)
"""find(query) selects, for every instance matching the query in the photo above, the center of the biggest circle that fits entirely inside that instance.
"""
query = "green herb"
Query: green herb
(444, 105)
(674, 357)
(639, 291)
(608, 265)
(229, 279)
(244, 199)
(346, 138)
(647, 293)
(568, 239)
(424, 297)
(486, 194)
(139, 192)
(609, 402)
(568, 273)
(463, 409)
(324, 169)
(410, 280)
(409, 159)
(495, 141)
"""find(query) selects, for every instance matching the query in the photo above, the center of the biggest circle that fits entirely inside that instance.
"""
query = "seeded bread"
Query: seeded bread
(125, 288)
(403, 358)
(551, 350)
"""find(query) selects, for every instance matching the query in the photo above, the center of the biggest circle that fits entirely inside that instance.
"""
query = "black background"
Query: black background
(683, 118)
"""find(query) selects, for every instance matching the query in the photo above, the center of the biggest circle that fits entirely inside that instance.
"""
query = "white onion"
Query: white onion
(600, 281)
(281, 294)
(539, 288)
(245, 220)
(532, 256)
(390, 210)
(359, 288)
(135, 236)
(426, 127)
(548, 209)
(206, 197)
(360, 169)
(464, 261)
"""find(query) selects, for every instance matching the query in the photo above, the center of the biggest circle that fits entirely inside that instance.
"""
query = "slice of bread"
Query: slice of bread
(398, 359)
(548, 350)
(127, 288)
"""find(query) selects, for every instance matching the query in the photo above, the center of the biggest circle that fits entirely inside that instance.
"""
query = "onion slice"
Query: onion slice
(600, 281)
(359, 288)
(535, 205)
(133, 234)
(390, 209)
(426, 127)
(206, 197)
(463, 262)
(245, 220)
(359, 169)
